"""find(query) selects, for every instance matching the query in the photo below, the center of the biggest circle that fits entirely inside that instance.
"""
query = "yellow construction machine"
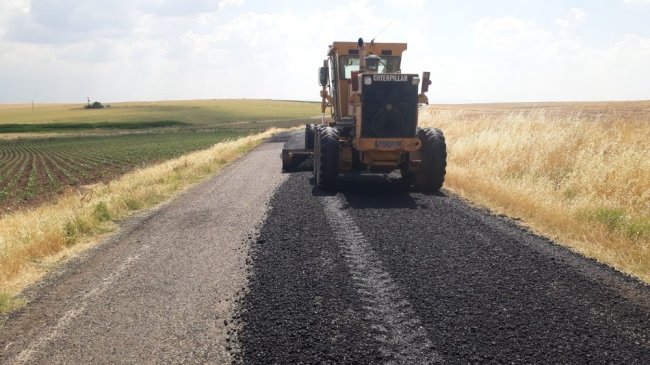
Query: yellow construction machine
(373, 125)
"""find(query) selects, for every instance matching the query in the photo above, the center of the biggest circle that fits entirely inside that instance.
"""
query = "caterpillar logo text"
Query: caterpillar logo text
(393, 78)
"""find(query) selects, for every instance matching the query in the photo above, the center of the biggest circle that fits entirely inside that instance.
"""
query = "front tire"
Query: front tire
(327, 156)
(310, 132)
(431, 174)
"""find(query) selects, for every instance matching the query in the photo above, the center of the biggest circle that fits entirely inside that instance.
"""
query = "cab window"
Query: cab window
(350, 63)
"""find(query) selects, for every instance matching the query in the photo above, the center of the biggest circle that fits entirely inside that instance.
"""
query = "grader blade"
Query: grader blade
(294, 153)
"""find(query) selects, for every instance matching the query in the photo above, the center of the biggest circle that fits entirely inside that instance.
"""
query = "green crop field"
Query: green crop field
(32, 170)
(49, 148)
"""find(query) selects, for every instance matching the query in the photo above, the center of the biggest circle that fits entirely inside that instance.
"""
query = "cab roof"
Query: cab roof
(379, 49)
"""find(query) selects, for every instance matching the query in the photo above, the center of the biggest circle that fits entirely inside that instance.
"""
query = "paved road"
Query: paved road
(373, 274)
(163, 290)
(376, 273)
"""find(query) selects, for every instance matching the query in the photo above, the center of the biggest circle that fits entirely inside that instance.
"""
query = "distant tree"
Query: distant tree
(95, 105)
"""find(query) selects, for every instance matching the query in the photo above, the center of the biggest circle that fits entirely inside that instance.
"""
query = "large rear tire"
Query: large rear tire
(326, 158)
(310, 132)
(431, 174)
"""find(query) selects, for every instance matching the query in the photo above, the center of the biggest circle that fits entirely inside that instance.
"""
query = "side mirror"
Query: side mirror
(425, 81)
(323, 76)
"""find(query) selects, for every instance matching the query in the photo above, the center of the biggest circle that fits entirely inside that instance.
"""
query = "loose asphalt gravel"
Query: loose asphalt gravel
(374, 273)
(377, 273)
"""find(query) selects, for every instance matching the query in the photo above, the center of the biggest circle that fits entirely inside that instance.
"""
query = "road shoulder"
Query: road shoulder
(162, 289)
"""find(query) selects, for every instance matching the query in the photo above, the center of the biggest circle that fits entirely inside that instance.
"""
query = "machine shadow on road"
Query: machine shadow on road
(370, 191)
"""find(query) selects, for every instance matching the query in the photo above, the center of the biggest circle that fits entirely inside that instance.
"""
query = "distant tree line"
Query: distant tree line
(96, 105)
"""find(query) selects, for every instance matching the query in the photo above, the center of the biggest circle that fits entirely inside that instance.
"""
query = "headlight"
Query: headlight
(415, 81)
(367, 80)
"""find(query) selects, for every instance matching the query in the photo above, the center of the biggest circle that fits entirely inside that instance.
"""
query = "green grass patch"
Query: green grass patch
(9, 303)
(70, 232)
(613, 218)
(5, 302)
(101, 212)
(638, 228)
(133, 204)
(617, 220)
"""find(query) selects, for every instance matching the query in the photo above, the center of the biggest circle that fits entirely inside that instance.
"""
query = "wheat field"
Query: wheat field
(576, 172)
(202, 113)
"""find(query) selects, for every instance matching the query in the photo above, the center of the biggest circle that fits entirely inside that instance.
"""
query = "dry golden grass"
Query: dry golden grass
(577, 172)
(33, 240)
(195, 112)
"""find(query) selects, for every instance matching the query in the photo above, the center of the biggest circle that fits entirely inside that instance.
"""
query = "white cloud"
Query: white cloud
(636, 2)
(507, 32)
(70, 21)
(276, 52)
(10, 9)
(200, 52)
(410, 4)
(225, 3)
(156, 49)
(556, 64)
(573, 18)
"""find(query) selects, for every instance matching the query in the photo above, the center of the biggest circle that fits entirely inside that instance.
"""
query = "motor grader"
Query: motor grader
(374, 119)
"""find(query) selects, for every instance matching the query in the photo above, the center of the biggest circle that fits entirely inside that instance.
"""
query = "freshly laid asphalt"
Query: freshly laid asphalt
(259, 267)
(480, 288)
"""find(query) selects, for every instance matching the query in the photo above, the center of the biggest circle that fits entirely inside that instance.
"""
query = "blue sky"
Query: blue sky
(476, 51)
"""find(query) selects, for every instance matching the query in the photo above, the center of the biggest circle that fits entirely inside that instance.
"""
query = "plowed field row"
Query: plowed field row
(32, 170)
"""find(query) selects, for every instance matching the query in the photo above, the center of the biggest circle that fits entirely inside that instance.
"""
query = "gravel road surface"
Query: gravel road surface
(255, 266)
(162, 290)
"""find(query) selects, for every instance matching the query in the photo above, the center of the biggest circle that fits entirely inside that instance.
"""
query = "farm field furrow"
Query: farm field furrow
(33, 169)
(8, 169)
(67, 166)
(89, 159)
(64, 167)
(94, 160)
(58, 175)
(15, 169)
(4, 155)
(28, 173)
(31, 186)
(25, 160)
(47, 178)
(78, 167)
(9, 155)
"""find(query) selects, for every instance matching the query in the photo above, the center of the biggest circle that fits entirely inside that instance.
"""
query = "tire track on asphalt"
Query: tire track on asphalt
(396, 326)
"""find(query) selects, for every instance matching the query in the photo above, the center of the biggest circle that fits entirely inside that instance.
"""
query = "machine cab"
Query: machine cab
(344, 60)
